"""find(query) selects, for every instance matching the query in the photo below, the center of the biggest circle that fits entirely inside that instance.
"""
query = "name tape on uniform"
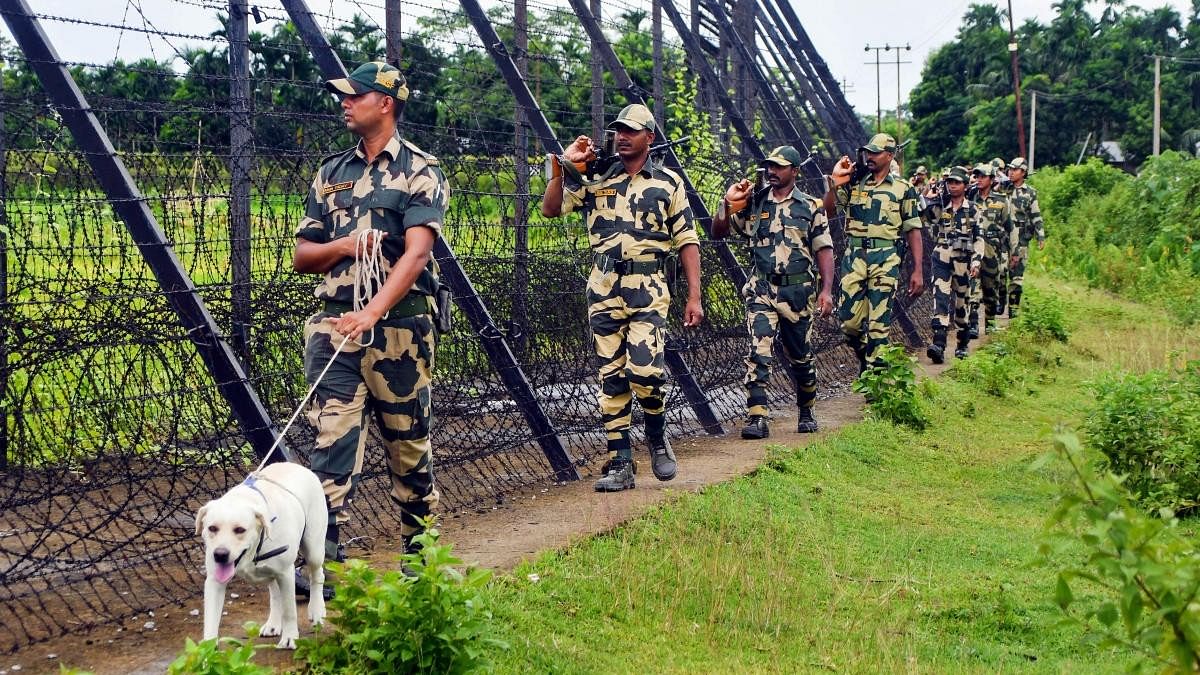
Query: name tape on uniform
(607, 192)
(336, 186)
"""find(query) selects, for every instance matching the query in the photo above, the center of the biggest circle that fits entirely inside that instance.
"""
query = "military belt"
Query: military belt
(606, 263)
(788, 279)
(411, 305)
(869, 242)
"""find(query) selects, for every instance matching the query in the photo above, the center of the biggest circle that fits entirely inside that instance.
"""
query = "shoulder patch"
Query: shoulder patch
(430, 159)
(333, 155)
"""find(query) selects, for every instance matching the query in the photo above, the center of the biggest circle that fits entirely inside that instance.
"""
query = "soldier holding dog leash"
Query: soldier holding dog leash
(371, 218)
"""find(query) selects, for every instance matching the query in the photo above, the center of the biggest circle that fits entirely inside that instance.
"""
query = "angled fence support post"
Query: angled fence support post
(4, 316)
(152, 243)
(491, 338)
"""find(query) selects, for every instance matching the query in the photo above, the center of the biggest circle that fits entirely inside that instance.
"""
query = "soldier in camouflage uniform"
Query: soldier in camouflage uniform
(957, 257)
(388, 187)
(635, 216)
(881, 209)
(788, 234)
(1028, 215)
(1000, 239)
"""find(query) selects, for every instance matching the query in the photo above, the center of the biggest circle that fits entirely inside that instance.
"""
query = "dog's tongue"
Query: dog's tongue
(224, 572)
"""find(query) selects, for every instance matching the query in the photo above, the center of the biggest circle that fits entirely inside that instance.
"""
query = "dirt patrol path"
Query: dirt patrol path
(533, 521)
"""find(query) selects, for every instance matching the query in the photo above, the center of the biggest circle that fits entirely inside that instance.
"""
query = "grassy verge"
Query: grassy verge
(875, 549)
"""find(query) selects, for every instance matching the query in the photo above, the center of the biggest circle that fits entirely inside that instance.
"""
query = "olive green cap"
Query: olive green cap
(880, 143)
(1018, 163)
(984, 170)
(957, 173)
(635, 116)
(372, 76)
(784, 155)
(921, 171)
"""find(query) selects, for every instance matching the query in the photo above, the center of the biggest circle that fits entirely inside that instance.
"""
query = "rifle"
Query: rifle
(606, 163)
(860, 163)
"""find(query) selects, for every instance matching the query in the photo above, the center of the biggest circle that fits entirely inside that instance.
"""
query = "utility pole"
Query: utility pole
(1157, 102)
(1016, 75)
(1032, 128)
(878, 100)
(899, 115)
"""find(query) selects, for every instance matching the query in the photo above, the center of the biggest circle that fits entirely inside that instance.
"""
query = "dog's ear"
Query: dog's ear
(200, 518)
(264, 522)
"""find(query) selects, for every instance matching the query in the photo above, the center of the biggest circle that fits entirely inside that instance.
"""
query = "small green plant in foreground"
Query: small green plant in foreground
(993, 368)
(1147, 427)
(220, 656)
(1042, 317)
(387, 622)
(891, 389)
(1140, 572)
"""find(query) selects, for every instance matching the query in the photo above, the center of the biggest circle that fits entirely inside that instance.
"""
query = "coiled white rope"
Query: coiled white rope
(369, 276)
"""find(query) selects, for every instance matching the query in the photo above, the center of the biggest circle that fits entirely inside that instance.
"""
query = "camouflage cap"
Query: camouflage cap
(922, 171)
(1018, 163)
(784, 155)
(880, 143)
(372, 76)
(945, 171)
(998, 162)
(635, 116)
(984, 170)
(957, 173)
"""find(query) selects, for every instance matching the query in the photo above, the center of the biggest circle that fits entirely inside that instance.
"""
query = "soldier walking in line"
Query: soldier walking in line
(1000, 240)
(957, 258)
(881, 209)
(788, 236)
(636, 214)
(385, 194)
(1028, 217)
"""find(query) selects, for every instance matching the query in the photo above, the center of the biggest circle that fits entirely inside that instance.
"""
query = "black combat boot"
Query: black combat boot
(961, 351)
(806, 423)
(334, 552)
(756, 428)
(662, 458)
(973, 324)
(618, 475)
(937, 348)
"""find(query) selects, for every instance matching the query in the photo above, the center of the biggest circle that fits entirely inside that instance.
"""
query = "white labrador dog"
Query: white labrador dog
(256, 530)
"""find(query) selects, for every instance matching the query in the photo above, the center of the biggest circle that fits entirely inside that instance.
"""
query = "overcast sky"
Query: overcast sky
(840, 31)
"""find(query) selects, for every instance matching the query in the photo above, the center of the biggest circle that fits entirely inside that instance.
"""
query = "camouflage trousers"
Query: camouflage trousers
(388, 380)
(628, 317)
(990, 288)
(868, 287)
(951, 292)
(782, 311)
(1016, 277)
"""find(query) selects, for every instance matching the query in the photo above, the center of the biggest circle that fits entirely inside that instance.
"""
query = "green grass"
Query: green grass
(877, 549)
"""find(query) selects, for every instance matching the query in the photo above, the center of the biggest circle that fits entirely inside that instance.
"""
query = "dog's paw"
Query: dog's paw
(270, 630)
(316, 616)
(286, 643)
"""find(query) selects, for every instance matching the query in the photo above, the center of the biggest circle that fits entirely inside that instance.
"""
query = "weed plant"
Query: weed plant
(1147, 428)
(890, 388)
(221, 656)
(1141, 572)
(386, 622)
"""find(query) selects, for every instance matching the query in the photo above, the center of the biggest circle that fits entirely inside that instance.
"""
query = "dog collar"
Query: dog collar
(259, 556)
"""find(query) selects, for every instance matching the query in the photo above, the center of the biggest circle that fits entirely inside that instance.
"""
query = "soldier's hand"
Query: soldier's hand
(739, 191)
(693, 313)
(842, 171)
(354, 324)
(824, 303)
(579, 151)
(1013, 260)
(1041, 244)
(916, 284)
(974, 271)
(351, 247)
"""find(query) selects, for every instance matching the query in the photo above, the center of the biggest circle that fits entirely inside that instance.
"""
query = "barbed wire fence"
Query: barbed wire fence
(115, 428)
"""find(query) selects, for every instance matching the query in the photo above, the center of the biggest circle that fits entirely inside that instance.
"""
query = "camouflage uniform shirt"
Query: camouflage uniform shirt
(958, 233)
(997, 224)
(635, 217)
(1027, 214)
(402, 188)
(882, 210)
(784, 235)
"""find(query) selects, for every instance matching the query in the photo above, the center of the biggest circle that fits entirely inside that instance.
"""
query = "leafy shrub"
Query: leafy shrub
(1042, 318)
(891, 390)
(993, 368)
(221, 656)
(387, 622)
(1148, 429)
(1134, 236)
(1141, 573)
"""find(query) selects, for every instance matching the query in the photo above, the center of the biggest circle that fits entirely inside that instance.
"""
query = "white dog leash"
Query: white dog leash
(368, 276)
